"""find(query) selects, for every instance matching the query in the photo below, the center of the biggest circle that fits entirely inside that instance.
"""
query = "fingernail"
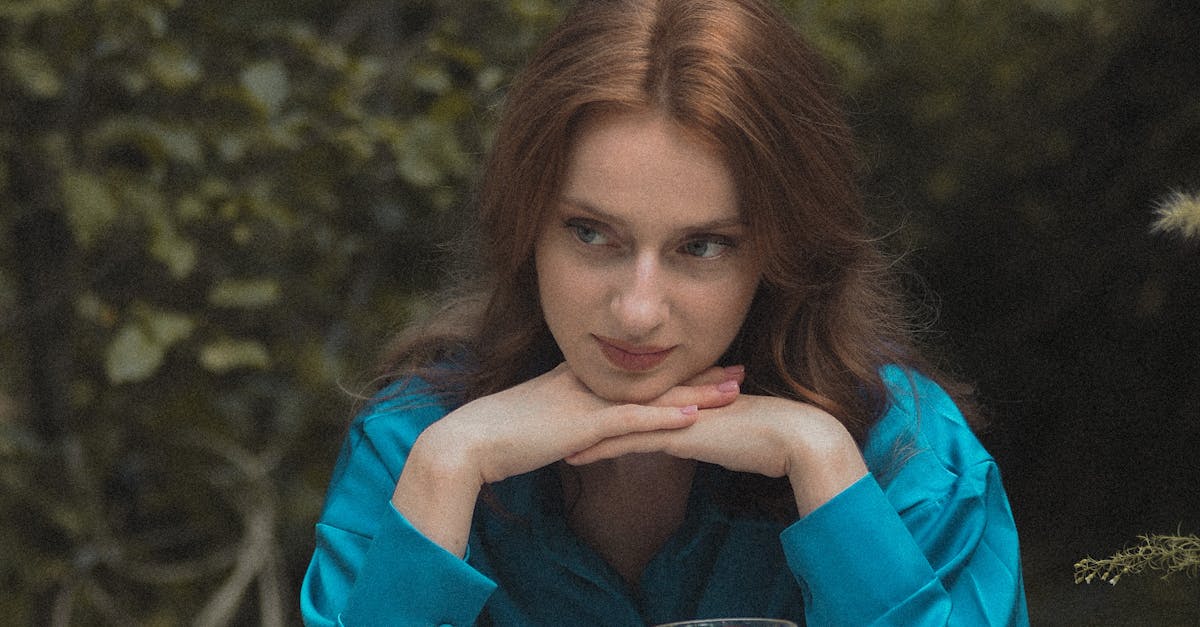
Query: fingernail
(728, 386)
(735, 370)
(690, 410)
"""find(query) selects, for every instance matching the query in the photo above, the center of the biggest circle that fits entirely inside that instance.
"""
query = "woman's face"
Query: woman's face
(645, 269)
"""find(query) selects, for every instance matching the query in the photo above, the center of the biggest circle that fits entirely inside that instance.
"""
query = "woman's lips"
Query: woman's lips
(631, 357)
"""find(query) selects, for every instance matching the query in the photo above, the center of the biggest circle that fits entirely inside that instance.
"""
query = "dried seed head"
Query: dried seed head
(1178, 213)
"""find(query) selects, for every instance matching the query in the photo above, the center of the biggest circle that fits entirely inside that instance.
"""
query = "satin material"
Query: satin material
(926, 539)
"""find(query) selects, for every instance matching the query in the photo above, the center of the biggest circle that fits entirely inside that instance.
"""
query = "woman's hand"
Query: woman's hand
(547, 418)
(526, 427)
(766, 435)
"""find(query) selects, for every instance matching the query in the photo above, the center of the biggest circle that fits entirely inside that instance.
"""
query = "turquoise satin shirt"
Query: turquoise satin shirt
(926, 539)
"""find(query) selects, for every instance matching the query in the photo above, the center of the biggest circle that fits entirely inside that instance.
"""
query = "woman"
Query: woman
(683, 387)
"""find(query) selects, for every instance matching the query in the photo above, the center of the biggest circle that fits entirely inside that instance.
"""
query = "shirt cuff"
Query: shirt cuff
(856, 561)
(408, 579)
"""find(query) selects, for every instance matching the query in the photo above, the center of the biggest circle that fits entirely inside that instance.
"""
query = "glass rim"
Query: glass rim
(731, 622)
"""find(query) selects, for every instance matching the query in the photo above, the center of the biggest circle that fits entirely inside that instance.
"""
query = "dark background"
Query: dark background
(212, 214)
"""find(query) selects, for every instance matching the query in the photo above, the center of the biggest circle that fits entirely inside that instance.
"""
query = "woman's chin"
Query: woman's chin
(637, 392)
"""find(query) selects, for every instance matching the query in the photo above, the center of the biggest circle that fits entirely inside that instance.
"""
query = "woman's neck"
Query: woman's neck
(627, 508)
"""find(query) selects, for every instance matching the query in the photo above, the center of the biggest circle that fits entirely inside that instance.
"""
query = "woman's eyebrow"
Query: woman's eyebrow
(595, 211)
(608, 218)
(716, 225)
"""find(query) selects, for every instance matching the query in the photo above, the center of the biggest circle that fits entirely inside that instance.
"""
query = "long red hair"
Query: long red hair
(827, 315)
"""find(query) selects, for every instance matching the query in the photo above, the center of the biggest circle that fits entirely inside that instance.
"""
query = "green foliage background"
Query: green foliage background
(213, 214)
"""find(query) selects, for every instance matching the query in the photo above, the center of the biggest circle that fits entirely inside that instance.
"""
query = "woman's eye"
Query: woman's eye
(707, 247)
(587, 234)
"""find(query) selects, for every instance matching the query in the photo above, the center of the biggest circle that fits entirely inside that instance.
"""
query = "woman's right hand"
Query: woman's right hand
(526, 427)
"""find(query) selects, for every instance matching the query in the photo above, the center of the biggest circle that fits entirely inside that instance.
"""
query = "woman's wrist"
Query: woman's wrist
(820, 468)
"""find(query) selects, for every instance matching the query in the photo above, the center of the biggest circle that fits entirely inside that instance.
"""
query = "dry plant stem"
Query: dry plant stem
(258, 557)
(257, 560)
(1168, 554)
(251, 565)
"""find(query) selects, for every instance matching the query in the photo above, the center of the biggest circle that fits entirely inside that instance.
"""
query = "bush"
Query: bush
(215, 216)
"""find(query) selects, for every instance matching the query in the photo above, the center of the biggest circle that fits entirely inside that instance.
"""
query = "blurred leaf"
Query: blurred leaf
(90, 307)
(33, 71)
(267, 84)
(358, 141)
(137, 349)
(133, 355)
(430, 78)
(179, 144)
(90, 205)
(490, 78)
(154, 17)
(535, 8)
(25, 10)
(224, 355)
(168, 328)
(244, 294)
(429, 153)
(231, 147)
(173, 67)
(190, 207)
(149, 144)
(175, 252)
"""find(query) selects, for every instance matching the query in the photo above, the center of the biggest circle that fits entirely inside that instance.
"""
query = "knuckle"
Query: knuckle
(668, 399)
(633, 416)
(639, 417)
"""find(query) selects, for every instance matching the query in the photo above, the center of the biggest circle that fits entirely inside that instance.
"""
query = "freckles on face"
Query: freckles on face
(645, 267)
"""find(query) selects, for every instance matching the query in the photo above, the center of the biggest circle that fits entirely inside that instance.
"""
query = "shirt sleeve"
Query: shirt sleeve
(934, 544)
(370, 566)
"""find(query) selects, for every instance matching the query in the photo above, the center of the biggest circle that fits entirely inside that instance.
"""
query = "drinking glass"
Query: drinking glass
(731, 622)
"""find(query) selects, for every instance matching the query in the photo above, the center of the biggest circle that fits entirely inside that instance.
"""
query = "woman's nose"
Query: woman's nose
(640, 303)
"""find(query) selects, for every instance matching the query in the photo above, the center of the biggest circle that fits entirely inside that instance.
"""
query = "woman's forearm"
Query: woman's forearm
(437, 491)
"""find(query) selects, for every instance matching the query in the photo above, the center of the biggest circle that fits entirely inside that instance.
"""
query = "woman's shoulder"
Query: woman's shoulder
(922, 436)
(374, 451)
(399, 412)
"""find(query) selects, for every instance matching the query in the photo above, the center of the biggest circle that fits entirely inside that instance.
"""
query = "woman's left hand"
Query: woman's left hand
(766, 435)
